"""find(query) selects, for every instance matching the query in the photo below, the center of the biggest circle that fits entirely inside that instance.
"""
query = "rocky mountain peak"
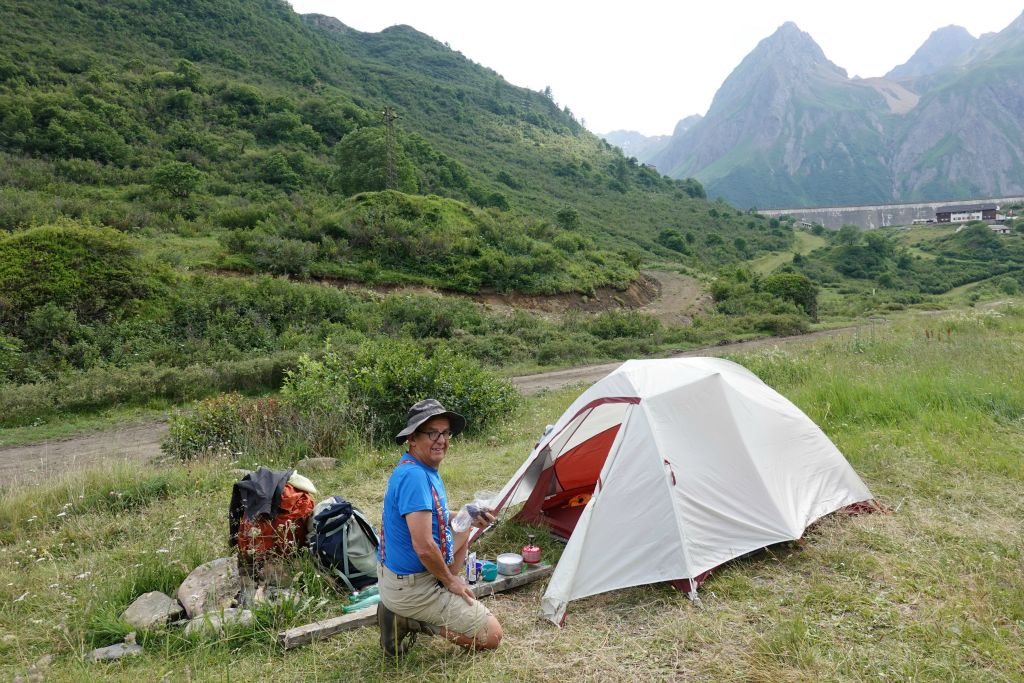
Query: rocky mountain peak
(943, 47)
(792, 49)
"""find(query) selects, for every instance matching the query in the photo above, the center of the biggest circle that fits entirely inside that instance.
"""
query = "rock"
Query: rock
(314, 464)
(114, 652)
(151, 610)
(214, 622)
(275, 572)
(211, 586)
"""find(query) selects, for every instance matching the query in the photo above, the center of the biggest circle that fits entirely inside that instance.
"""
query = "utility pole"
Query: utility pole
(390, 164)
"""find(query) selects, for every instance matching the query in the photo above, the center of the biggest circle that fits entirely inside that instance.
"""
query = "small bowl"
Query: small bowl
(489, 571)
(510, 564)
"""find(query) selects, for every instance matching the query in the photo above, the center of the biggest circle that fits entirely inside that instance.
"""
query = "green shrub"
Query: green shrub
(613, 324)
(779, 324)
(102, 387)
(317, 392)
(91, 271)
(388, 376)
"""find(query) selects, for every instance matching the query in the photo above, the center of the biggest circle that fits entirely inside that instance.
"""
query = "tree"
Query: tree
(848, 235)
(277, 171)
(796, 288)
(362, 163)
(568, 218)
(176, 178)
(188, 75)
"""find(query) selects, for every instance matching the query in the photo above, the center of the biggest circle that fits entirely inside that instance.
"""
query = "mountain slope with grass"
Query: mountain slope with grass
(206, 117)
(187, 190)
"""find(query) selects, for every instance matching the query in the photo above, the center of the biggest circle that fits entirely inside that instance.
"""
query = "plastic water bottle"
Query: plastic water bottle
(464, 519)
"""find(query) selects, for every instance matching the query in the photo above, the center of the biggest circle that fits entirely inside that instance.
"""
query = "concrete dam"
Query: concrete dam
(879, 215)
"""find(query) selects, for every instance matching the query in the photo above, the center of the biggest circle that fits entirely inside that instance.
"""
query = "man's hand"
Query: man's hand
(484, 519)
(458, 586)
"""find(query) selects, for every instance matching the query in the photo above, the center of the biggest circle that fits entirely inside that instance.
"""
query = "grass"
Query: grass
(805, 243)
(933, 592)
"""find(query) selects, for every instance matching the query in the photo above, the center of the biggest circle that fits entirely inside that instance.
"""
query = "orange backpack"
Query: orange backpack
(283, 534)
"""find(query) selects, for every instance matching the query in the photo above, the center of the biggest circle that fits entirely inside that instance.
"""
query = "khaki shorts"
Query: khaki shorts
(421, 597)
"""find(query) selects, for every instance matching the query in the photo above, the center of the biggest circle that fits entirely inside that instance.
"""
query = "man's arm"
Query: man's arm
(421, 530)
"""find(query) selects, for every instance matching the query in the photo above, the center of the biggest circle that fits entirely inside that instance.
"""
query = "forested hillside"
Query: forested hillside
(213, 118)
(159, 160)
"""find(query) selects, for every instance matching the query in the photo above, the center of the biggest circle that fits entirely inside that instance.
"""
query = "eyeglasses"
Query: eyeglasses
(434, 435)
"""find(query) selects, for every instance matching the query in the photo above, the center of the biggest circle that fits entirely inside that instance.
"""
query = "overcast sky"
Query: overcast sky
(645, 64)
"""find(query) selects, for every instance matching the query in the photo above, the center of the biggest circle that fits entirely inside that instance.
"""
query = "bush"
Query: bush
(614, 324)
(230, 425)
(389, 376)
(210, 428)
(780, 324)
(176, 178)
(317, 393)
(90, 271)
(102, 387)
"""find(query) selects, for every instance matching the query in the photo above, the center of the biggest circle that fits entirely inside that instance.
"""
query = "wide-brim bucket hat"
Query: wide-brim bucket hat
(425, 410)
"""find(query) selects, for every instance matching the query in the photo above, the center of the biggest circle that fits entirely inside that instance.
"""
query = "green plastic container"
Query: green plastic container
(362, 604)
(363, 594)
(489, 571)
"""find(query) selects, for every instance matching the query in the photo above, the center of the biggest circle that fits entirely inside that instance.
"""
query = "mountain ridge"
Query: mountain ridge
(790, 128)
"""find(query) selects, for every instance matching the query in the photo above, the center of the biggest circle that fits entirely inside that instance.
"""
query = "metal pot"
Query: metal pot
(510, 564)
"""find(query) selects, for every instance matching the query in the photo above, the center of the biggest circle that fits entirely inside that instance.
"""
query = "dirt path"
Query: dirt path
(534, 384)
(36, 462)
(679, 299)
(141, 442)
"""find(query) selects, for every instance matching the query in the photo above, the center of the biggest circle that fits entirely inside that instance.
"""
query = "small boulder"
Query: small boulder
(315, 464)
(211, 586)
(214, 622)
(114, 652)
(151, 610)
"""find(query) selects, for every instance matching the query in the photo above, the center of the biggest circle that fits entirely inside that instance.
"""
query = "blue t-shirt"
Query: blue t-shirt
(409, 490)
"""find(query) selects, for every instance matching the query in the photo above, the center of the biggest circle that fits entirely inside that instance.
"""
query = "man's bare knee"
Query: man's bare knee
(490, 635)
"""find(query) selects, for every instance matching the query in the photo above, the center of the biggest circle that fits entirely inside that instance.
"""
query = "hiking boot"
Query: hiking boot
(396, 638)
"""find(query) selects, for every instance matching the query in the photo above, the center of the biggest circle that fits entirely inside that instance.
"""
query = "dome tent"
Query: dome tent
(666, 469)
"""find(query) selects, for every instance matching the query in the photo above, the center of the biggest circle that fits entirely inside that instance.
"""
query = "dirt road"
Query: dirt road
(588, 374)
(678, 299)
(36, 462)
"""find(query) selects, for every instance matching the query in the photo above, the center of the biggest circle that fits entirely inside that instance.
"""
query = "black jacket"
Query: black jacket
(257, 493)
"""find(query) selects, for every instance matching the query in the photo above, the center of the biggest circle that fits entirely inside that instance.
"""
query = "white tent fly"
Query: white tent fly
(665, 469)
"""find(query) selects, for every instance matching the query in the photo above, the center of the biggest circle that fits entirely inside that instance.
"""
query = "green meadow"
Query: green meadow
(929, 409)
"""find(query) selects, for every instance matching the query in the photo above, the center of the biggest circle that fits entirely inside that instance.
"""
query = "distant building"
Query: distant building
(966, 212)
(1000, 229)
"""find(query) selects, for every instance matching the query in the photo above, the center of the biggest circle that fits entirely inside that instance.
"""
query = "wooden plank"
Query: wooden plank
(529, 574)
(319, 630)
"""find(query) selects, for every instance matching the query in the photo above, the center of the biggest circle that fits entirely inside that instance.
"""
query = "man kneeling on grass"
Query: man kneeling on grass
(422, 589)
